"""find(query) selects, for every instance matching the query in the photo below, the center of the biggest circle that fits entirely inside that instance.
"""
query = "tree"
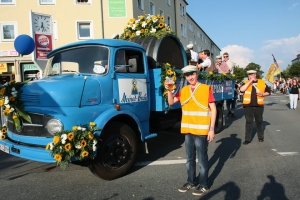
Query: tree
(295, 70)
(256, 67)
(240, 73)
(285, 73)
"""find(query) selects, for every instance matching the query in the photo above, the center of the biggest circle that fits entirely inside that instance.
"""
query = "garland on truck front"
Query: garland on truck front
(145, 26)
(11, 104)
(79, 144)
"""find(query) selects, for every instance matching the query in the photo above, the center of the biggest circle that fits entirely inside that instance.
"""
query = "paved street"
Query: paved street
(260, 170)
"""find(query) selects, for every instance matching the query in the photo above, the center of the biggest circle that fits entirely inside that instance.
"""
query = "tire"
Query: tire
(116, 152)
(219, 119)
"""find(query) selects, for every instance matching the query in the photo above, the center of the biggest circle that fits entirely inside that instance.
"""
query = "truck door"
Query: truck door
(131, 82)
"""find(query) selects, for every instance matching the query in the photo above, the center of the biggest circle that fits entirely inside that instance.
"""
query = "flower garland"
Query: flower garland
(80, 143)
(11, 103)
(145, 26)
(3, 132)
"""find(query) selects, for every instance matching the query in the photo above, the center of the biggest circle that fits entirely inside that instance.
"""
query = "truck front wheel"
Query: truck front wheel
(116, 152)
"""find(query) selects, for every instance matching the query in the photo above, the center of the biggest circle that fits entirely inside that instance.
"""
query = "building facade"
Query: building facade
(76, 20)
(297, 59)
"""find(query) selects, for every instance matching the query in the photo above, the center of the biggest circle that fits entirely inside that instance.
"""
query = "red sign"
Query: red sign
(43, 45)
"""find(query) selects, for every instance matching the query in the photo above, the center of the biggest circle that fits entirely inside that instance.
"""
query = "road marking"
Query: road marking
(288, 153)
(162, 162)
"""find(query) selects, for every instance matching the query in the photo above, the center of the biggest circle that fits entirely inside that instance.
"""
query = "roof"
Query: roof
(105, 42)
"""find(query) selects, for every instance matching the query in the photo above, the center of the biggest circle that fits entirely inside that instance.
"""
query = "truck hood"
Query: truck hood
(62, 90)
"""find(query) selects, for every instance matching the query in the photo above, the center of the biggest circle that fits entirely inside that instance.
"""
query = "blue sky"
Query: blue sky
(251, 30)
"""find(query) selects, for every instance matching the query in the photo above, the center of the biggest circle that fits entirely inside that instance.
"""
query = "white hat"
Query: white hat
(189, 68)
(218, 56)
(189, 46)
(251, 72)
(114, 35)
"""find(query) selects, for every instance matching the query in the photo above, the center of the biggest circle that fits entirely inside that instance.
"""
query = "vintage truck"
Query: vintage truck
(114, 83)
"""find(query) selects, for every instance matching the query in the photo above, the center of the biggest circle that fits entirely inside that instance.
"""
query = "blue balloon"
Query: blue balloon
(24, 44)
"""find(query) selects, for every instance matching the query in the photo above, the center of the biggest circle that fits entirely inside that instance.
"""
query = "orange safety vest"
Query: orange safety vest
(261, 85)
(196, 113)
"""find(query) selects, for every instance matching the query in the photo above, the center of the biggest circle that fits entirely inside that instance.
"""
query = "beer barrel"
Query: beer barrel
(165, 50)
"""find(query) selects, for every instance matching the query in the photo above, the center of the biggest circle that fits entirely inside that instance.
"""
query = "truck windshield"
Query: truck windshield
(86, 59)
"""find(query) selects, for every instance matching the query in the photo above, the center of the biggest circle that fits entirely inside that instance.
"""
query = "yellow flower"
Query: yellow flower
(164, 29)
(92, 124)
(74, 128)
(142, 30)
(1, 102)
(169, 72)
(141, 17)
(127, 34)
(224, 73)
(233, 75)
(146, 30)
(210, 72)
(15, 117)
(12, 98)
(68, 147)
(165, 93)
(4, 131)
(137, 24)
(160, 25)
(3, 137)
(174, 77)
(70, 136)
(48, 146)
(158, 15)
(148, 21)
(91, 136)
(56, 139)
(57, 157)
(132, 34)
(4, 113)
(2, 91)
(173, 87)
(84, 154)
(162, 18)
(7, 110)
(83, 143)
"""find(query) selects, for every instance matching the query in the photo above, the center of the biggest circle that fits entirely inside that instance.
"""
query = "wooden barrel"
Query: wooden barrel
(165, 50)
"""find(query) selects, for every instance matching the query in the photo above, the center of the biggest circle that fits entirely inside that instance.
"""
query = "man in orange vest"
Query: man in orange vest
(255, 91)
(197, 123)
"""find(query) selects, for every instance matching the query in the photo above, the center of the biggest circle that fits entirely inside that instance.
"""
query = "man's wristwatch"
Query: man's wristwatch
(211, 128)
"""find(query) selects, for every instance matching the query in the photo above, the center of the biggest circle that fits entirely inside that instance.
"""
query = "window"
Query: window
(129, 61)
(182, 10)
(205, 40)
(169, 21)
(152, 9)
(83, 1)
(47, 2)
(183, 31)
(140, 4)
(9, 31)
(8, 2)
(84, 30)
(191, 26)
(161, 12)
(169, 2)
(201, 36)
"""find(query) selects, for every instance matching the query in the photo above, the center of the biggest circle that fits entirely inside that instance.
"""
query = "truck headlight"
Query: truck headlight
(53, 126)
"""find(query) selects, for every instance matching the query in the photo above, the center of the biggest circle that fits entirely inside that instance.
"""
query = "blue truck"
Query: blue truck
(114, 83)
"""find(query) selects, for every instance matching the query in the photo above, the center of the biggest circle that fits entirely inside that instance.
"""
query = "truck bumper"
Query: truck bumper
(31, 153)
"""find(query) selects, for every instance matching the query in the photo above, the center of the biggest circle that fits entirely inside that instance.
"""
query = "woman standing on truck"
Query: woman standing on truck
(198, 106)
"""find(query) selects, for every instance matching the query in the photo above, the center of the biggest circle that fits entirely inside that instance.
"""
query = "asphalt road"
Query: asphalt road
(260, 170)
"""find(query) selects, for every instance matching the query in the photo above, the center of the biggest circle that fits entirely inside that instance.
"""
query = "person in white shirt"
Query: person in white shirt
(228, 62)
(194, 54)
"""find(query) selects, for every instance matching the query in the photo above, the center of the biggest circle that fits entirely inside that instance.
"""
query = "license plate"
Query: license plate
(4, 148)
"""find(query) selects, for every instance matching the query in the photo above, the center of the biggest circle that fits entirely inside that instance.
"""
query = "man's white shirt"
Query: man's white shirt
(194, 56)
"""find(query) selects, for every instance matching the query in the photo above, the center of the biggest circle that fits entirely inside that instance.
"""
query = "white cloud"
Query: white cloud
(284, 50)
(294, 5)
(239, 55)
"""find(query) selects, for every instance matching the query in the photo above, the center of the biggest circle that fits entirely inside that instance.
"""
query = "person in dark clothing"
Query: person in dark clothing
(255, 91)
(294, 94)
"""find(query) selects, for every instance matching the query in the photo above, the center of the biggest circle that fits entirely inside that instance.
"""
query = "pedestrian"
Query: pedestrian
(294, 94)
(208, 64)
(228, 62)
(221, 66)
(255, 91)
(197, 124)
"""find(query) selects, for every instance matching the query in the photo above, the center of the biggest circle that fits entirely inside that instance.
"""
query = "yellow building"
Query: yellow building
(76, 20)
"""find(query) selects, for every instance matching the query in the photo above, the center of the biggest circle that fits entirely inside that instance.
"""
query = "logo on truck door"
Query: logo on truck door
(132, 90)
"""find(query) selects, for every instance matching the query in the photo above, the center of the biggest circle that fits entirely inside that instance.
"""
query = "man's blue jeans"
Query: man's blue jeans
(195, 143)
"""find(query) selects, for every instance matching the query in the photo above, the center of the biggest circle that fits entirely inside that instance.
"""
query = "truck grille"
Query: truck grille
(37, 128)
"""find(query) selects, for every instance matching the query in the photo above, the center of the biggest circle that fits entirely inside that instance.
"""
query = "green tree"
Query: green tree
(295, 70)
(285, 73)
(240, 73)
(256, 67)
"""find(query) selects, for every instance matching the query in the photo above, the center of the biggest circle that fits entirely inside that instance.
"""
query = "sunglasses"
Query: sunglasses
(188, 73)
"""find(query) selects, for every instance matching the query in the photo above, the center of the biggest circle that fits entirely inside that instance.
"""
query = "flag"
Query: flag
(274, 69)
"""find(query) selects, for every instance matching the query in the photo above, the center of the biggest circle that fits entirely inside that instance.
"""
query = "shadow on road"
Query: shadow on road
(232, 192)
(227, 149)
(272, 190)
